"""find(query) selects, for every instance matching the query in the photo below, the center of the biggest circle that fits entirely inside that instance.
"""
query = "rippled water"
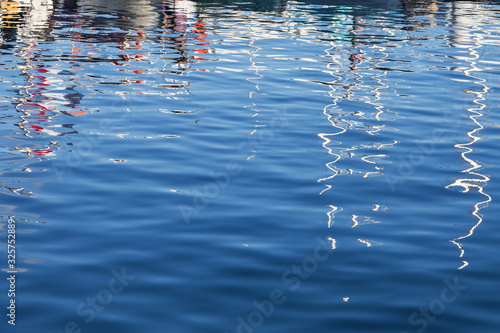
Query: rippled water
(257, 166)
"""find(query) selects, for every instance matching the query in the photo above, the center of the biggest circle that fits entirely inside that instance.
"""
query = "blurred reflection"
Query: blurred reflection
(39, 100)
(24, 18)
(70, 6)
(415, 9)
(243, 6)
(11, 19)
(131, 14)
(181, 23)
(47, 94)
(48, 91)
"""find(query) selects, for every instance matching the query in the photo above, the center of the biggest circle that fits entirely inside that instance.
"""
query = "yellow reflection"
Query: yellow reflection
(140, 13)
(10, 14)
(27, 16)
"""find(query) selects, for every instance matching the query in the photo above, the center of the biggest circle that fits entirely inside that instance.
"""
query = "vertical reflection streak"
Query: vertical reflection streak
(255, 80)
(474, 179)
(359, 70)
(338, 117)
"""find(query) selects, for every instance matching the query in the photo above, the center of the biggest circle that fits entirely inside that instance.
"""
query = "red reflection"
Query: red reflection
(186, 24)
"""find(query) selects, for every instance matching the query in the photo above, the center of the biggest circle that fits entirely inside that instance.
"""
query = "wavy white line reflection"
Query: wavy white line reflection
(462, 38)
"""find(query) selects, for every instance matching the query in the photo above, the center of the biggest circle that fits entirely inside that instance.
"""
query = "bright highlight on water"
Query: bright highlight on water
(249, 166)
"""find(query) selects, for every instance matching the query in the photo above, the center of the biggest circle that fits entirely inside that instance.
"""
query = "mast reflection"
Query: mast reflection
(357, 110)
(466, 37)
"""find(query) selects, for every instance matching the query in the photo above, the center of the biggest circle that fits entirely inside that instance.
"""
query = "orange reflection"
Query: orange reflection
(200, 33)
(178, 17)
(10, 14)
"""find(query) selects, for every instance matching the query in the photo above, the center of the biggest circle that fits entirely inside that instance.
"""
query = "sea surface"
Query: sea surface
(250, 166)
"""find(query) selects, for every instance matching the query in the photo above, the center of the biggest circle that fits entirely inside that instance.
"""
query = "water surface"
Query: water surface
(258, 166)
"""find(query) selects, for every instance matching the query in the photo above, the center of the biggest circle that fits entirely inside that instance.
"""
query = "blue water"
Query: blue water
(257, 166)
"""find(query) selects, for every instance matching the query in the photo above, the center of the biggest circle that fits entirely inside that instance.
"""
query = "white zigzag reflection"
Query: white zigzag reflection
(474, 180)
